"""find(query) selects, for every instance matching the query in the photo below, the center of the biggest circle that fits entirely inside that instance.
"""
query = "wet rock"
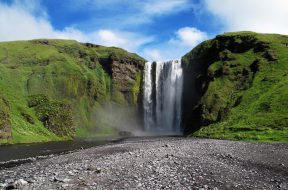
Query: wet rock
(10, 186)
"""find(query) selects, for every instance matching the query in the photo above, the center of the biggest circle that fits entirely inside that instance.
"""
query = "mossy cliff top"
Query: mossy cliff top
(236, 87)
(69, 81)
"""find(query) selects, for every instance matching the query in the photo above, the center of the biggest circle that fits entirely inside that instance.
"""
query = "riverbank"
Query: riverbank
(14, 153)
(159, 163)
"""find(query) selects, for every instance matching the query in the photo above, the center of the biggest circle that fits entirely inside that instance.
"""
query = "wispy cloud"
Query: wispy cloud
(149, 7)
(160, 7)
(152, 54)
(19, 23)
(128, 13)
(128, 40)
(188, 36)
(256, 15)
(183, 41)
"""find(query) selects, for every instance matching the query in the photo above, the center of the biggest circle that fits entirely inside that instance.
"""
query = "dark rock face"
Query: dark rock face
(124, 75)
(195, 83)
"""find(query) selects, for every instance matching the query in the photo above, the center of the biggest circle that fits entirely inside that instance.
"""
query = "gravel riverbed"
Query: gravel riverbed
(158, 163)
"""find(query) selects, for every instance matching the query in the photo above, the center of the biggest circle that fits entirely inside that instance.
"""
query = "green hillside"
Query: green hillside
(55, 89)
(238, 87)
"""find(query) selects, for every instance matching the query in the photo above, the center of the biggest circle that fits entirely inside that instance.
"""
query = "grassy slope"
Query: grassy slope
(241, 103)
(62, 70)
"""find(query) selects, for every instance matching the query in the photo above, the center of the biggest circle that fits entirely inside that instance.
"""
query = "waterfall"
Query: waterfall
(162, 96)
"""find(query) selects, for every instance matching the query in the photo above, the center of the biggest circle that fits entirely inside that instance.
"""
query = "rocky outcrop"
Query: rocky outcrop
(227, 77)
(127, 76)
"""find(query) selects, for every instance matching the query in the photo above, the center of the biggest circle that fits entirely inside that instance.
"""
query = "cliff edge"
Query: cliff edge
(236, 87)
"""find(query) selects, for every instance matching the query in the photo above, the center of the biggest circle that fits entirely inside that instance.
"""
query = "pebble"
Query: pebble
(65, 185)
(193, 166)
(205, 186)
(20, 183)
(65, 180)
(2, 185)
(167, 145)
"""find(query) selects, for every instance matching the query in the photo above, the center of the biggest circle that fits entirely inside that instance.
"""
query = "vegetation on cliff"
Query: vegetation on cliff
(50, 89)
(236, 87)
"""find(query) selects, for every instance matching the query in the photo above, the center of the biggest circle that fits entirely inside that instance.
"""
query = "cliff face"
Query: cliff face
(127, 77)
(236, 86)
(52, 89)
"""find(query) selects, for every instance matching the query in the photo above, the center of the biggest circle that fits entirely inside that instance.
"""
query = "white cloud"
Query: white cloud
(188, 36)
(32, 6)
(22, 21)
(18, 23)
(184, 40)
(267, 16)
(159, 7)
(127, 40)
(152, 54)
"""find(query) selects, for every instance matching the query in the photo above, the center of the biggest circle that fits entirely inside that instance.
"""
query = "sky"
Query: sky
(154, 29)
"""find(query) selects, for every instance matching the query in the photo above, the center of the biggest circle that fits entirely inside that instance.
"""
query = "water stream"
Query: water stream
(162, 113)
(162, 97)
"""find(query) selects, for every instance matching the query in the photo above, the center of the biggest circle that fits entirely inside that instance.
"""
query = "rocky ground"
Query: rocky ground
(158, 163)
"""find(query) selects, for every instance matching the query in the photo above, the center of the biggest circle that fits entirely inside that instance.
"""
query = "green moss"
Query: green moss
(246, 90)
(137, 87)
(5, 124)
(72, 78)
(55, 115)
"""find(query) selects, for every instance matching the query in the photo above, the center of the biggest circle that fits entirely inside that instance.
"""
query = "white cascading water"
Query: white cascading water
(163, 83)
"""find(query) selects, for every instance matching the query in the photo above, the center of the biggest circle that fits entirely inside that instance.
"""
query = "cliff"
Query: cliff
(59, 89)
(236, 87)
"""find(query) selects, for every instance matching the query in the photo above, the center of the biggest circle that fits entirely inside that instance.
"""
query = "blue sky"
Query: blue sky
(155, 29)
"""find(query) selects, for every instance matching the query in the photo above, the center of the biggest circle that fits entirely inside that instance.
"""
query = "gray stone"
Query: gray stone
(20, 183)
(64, 180)
(2, 185)
(65, 185)
(205, 186)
